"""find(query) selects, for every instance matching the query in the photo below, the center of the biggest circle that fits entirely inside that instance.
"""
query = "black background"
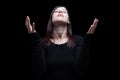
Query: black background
(17, 59)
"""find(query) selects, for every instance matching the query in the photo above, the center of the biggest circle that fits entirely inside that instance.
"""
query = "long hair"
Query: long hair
(70, 43)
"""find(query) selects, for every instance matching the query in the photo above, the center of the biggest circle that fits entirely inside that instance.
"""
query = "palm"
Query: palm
(93, 27)
(30, 28)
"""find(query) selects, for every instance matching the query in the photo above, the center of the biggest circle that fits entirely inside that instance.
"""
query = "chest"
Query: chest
(59, 55)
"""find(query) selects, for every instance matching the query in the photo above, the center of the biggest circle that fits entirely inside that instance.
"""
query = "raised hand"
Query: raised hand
(93, 26)
(30, 28)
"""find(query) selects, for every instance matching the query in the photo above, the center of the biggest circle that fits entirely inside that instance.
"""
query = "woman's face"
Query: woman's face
(60, 15)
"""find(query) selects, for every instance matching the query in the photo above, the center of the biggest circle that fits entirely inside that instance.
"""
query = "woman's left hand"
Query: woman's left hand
(93, 26)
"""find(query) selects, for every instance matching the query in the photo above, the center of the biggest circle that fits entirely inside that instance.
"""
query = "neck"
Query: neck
(60, 32)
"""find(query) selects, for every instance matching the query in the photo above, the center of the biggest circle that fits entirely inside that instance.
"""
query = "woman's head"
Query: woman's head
(59, 15)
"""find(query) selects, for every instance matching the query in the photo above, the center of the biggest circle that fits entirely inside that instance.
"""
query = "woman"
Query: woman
(60, 55)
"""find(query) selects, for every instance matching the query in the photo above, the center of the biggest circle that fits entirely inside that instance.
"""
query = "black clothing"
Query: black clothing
(59, 62)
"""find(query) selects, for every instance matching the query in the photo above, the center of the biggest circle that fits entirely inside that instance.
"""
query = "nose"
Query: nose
(60, 11)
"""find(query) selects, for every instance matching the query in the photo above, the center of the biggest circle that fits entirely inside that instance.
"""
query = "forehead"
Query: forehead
(61, 8)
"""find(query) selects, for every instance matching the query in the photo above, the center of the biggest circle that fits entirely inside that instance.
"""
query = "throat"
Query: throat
(60, 35)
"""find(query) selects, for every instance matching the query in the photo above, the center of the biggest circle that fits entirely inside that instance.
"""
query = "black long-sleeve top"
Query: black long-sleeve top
(59, 62)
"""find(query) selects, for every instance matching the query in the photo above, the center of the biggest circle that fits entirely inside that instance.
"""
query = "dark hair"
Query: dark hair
(70, 43)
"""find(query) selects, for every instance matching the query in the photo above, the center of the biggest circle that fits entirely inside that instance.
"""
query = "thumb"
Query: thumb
(33, 26)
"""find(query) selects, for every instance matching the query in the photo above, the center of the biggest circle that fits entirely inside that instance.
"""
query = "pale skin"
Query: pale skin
(60, 18)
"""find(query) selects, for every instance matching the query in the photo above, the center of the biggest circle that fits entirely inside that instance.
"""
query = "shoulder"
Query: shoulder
(78, 39)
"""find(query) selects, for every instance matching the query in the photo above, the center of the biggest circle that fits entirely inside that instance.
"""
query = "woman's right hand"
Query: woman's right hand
(30, 28)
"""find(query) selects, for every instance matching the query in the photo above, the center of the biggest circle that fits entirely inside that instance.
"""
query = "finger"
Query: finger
(28, 20)
(95, 22)
(33, 26)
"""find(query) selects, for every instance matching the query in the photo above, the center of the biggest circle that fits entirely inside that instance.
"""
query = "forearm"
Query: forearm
(35, 39)
(87, 39)
(34, 36)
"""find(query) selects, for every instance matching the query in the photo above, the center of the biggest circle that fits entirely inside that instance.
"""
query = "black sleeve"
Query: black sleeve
(35, 38)
(38, 58)
(87, 39)
(83, 56)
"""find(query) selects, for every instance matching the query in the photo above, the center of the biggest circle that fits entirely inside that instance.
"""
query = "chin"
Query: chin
(60, 21)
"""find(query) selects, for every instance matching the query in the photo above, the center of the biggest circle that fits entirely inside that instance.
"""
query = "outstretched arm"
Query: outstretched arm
(90, 32)
(38, 57)
(34, 36)
(83, 53)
